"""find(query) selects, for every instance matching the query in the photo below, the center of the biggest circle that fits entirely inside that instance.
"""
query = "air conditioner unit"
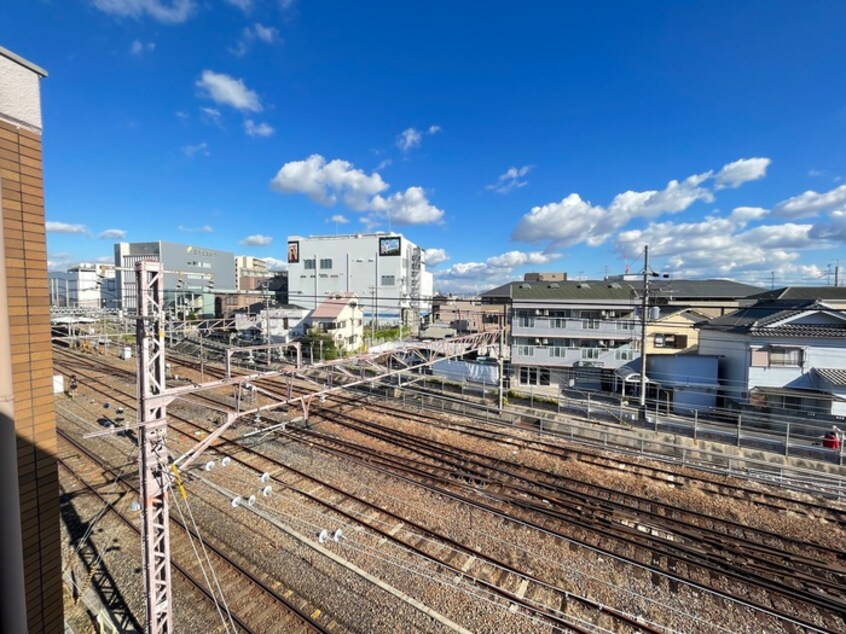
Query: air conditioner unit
(538, 311)
(546, 342)
(603, 313)
(602, 344)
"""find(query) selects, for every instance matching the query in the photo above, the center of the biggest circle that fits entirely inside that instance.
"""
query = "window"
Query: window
(590, 353)
(760, 358)
(526, 322)
(670, 340)
(534, 376)
(624, 354)
(625, 324)
(325, 263)
(590, 324)
(558, 322)
(308, 265)
(781, 357)
(388, 280)
(526, 351)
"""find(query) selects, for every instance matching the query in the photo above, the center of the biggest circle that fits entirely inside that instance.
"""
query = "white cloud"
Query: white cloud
(433, 257)
(811, 203)
(742, 215)
(564, 223)
(210, 116)
(63, 227)
(574, 220)
(834, 229)
(817, 173)
(258, 129)
(256, 240)
(229, 91)
(266, 34)
(409, 139)
(138, 48)
(495, 270)
(410, 207)
(181, 114)
(510, 180)
(734, 174)
(193, 150)
(339, 219)
(168, 11)
(275, 264)
(718, 246)
(112, 234)
(433, 129)
(203, 229)
(323, 181)
(383, 164)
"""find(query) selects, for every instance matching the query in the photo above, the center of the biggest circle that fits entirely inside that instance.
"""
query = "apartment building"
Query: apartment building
(577, 331)
(87, 285)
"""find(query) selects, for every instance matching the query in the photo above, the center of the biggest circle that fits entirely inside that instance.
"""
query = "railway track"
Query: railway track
(527, 592)
(604, 512)
(268, 610)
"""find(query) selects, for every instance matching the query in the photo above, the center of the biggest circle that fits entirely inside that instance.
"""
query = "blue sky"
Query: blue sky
(502, 137)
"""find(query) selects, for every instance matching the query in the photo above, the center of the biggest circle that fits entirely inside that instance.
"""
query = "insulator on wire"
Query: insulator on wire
(251, 500)
(266, 490)
(236, 501)
(323, 536)
(209, 465)
(226, 461)
(336, 536)
(265, 477)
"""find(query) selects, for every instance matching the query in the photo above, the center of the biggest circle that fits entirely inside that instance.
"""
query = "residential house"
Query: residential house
(785, 355)
(671, 330)
(284, 323)
(341, 316)
(834, 296)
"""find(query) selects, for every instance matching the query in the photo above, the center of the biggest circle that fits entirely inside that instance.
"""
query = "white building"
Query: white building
(85, 286)
(784, 355)
(341, 316)
(386, 271)
(285, 323)
(249, 272)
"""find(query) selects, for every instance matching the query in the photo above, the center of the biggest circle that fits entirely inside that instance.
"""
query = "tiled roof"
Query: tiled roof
(804, 292)
(697, 289)
(333, 306)
(835, 376)
(602, 290)
(764, 320)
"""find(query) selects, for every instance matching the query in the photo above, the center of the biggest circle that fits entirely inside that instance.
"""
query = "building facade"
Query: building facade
(340, 316)
(192, 274)
(31, 574)
(250, 273)
(386, 271)
(782, 354)
(85, 286)
(563, 332)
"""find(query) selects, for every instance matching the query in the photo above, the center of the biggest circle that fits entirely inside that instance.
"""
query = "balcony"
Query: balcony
(576, 328)
(554, 356)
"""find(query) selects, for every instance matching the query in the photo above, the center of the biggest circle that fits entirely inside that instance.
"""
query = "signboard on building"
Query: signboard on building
(293, 252)
(389, 245)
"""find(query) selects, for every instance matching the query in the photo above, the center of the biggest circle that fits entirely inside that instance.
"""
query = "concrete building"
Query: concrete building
(85, 286)
(465, 315)
(192, 275)
(783, 355)
(250, 272)
(30, 550)
(385, 270)
(569, 331)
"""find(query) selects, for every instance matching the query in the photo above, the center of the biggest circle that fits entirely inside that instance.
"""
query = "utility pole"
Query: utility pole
(643, 308)
(837, 273)
(153, 463)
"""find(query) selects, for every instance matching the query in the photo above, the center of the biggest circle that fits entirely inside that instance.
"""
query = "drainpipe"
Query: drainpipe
(12, 586)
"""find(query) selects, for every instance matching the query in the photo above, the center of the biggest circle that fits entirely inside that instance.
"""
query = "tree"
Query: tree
(315, 337)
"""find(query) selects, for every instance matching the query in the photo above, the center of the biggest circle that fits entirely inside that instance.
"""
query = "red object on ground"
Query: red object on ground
(830, 441)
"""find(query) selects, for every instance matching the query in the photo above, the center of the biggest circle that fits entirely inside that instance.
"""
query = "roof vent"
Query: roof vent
(614, 285)
(525, 286)
(553, 286)
(583, 285)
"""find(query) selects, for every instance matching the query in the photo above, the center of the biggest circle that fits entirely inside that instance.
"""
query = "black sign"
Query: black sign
(390, 245)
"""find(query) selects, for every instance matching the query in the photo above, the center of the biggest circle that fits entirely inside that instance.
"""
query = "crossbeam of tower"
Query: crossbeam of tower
(154, 397)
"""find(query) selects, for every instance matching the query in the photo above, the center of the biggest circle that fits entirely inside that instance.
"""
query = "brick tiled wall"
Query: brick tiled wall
(21, 183)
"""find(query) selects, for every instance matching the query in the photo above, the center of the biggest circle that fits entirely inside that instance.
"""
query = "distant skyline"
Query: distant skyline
(500, 138)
